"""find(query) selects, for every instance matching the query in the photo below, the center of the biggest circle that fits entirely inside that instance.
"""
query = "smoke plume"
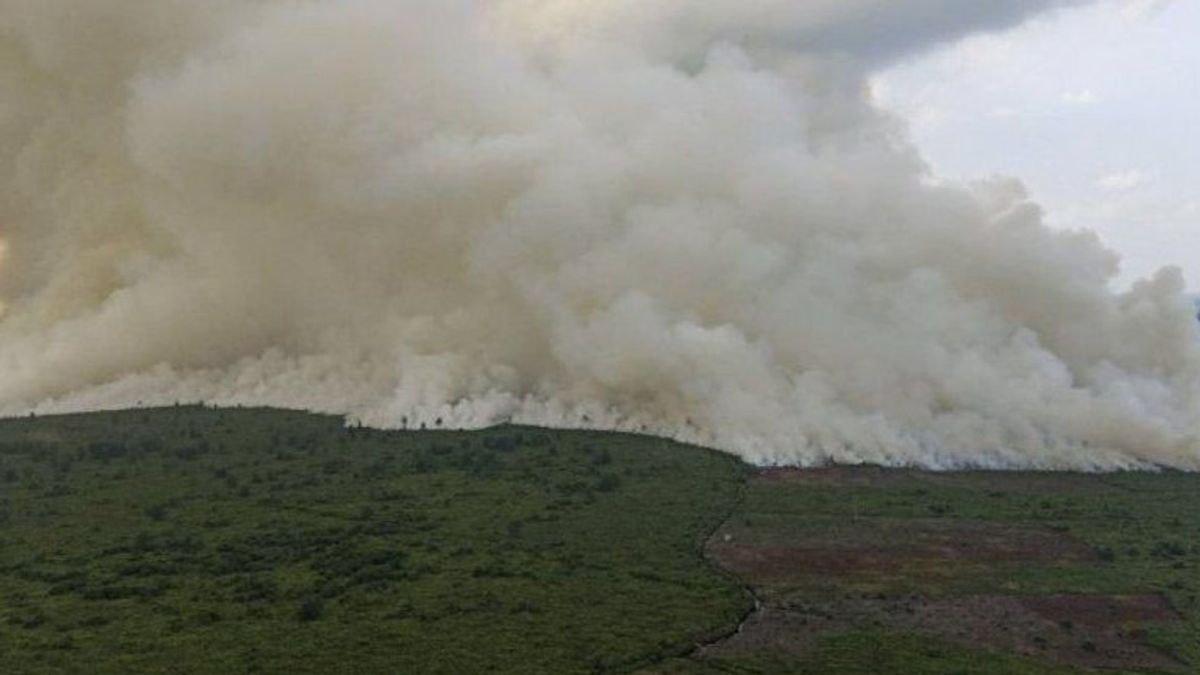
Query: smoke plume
(681, 217)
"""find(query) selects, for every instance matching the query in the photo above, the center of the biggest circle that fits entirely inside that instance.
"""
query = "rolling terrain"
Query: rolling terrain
(190, 540)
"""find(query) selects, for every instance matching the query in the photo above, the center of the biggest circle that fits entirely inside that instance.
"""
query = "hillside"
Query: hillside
(197, 541)
(189, 540)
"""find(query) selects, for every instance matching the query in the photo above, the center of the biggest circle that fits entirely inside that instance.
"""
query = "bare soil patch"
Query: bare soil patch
(811, 573)
(877, 477)
(878, 547)
(1087, 631)
(1102, 610)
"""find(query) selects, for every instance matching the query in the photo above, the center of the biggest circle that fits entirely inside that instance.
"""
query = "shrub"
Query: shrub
(1167, 549)
(310, 610)
(608, 483)
(940, 509)
(106, 450)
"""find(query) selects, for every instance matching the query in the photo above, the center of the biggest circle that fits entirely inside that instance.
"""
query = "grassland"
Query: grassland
(189, 540)
(199, 541)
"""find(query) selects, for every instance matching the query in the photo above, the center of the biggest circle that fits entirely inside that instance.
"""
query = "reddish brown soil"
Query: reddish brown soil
(1087, 631)
(874, 548)
(779, 555)
(1102, 611)
(1017, 483)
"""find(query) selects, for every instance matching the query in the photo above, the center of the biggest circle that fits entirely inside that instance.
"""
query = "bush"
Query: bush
(1167, 549)
(940, 509)
(106, 450)
(310, 610)
(608, 483)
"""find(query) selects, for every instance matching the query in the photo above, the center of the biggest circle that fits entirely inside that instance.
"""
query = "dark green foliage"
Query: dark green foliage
(608, 483)
(310, 610)
(188, 540)
(199, 541)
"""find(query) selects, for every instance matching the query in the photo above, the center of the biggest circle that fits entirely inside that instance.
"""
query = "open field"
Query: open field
(198, 541)
(188, 540)
(866, 570)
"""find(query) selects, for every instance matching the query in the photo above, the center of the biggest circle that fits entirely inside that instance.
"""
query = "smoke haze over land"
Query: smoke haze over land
(680, 217)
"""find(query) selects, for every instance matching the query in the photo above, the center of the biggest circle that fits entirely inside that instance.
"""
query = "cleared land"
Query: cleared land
(864, 570)
(188, 540)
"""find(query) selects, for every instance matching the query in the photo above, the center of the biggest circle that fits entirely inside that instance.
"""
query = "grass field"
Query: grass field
(189, 540)
(196, 541)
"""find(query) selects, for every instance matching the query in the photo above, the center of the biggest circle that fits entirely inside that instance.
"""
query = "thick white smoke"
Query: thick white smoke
(682, 216)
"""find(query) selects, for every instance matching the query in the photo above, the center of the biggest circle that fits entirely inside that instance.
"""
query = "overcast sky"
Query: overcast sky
(1095, 109)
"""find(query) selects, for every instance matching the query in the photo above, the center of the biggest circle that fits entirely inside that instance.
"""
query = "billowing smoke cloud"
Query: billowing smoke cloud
(680, 217)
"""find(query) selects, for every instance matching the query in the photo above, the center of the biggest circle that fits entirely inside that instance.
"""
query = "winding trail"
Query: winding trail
(756, 604)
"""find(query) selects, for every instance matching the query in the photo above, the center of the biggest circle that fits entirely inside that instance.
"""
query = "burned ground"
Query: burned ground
(881, 547)
(188, 540)
(877, 571)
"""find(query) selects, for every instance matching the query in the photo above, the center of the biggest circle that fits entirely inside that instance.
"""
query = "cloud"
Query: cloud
(1140, 10)
(1082, 97)
(1123, 181)
(869, 31)
(562, 213)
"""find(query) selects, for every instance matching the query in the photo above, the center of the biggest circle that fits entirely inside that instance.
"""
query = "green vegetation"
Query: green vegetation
(916, 572)
(189, 540)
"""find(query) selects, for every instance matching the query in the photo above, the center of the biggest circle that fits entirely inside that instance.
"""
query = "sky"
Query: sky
(1094, 108)
(666, 216)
